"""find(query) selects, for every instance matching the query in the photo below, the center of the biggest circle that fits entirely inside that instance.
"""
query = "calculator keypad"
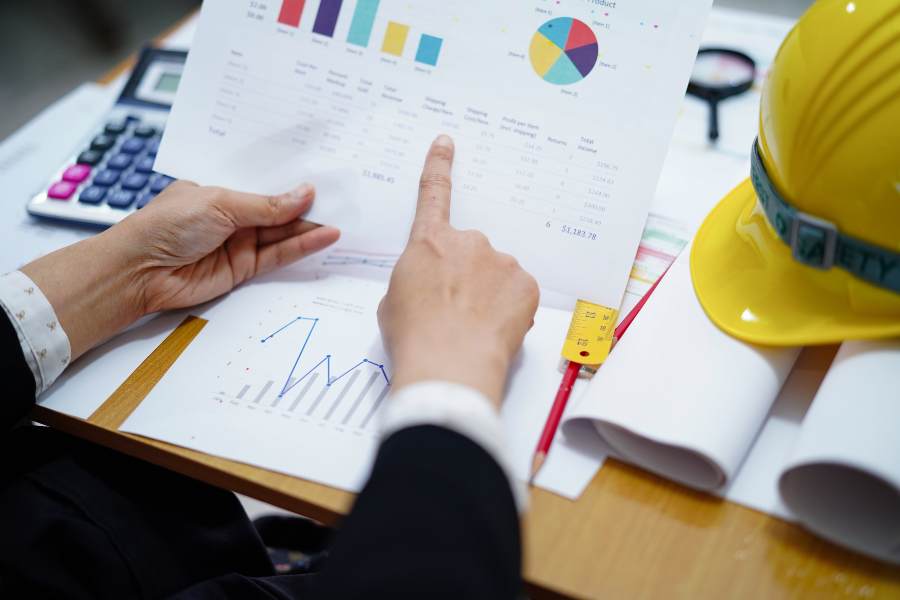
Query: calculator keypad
(77, 173)
(121, 199)
(120, 162)
(62, 190)
(90, 157)
(92, 195)
(116, 168)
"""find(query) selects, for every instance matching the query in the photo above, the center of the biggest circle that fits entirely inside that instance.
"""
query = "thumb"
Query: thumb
(254, 210)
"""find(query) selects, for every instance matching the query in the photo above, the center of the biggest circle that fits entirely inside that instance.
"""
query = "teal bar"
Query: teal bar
(363, 22)
(429, 50)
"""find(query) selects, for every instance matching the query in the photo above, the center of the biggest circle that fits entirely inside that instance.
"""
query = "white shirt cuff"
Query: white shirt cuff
(455, 407)
(43, 341)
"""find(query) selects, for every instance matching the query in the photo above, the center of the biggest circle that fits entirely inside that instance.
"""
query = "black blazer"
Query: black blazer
(436, 520)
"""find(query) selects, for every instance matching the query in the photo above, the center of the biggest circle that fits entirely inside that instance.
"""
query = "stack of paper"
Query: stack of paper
(678, 396)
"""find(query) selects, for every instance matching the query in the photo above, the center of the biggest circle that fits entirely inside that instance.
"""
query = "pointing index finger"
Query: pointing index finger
(434, 187)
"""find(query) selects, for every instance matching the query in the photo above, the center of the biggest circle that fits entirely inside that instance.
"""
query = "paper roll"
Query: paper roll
(843, 480)
(678, 396)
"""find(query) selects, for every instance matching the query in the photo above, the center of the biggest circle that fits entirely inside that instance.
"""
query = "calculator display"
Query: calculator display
(168, 82)
(158, 82)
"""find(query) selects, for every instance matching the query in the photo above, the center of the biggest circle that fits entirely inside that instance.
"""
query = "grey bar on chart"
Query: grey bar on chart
(343, 393)
(375, 375)
(318, 401)
(303, 392)
(375, 406)
(243, 392)
(290, 384)
(262, 393)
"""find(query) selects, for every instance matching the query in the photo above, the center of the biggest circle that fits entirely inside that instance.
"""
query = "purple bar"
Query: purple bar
(327, 17)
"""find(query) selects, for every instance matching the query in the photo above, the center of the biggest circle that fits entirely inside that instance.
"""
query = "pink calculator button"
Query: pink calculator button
(61, 190)
(77, 173)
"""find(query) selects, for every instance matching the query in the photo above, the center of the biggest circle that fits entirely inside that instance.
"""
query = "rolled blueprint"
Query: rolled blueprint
(843, 480)
(678, 396)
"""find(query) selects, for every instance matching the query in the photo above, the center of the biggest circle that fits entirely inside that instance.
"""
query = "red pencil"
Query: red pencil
(568, 382)
(626, 322)
(556, 413)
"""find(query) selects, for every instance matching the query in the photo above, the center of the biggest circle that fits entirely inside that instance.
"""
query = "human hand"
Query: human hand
(188, 246)
(456, 310)
(195, 243)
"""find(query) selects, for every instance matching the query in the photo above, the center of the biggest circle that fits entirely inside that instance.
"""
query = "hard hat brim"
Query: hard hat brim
(750, 286)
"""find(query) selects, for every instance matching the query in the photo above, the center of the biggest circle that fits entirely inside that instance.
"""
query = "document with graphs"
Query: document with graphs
(290, 375)
(562, 111)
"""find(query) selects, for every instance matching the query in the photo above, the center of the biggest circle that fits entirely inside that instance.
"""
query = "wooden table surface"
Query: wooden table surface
(630, 535)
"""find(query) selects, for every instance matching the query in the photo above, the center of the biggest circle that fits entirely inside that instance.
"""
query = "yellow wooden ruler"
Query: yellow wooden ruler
(590, 335)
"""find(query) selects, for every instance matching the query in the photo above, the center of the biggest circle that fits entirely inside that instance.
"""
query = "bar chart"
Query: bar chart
(291, 12)
(327, 17)
(363, 22)
(352, 403)
(311, 387)
(429, 49)
(395, 38)
(362, 27)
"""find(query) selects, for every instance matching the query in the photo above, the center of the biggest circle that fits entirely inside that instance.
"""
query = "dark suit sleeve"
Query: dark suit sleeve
(436, 520)
(18, 381)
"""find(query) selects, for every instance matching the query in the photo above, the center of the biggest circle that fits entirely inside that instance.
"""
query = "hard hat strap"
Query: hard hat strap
(819, 243)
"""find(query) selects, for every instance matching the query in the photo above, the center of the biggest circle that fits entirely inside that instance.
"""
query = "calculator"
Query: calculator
(111, 174)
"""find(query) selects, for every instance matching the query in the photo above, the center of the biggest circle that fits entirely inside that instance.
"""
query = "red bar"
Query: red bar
(290, 12)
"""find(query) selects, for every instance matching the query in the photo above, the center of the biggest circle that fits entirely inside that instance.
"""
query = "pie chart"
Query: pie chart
(564, 51)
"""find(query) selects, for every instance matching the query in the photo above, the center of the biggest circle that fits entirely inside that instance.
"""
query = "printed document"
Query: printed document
(561, 111)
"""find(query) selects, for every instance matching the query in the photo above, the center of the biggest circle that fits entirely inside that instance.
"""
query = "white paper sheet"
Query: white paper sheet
(233, 395)
(843, 479)
(90, 380)
(650, 403)
(695, 176)
(552, 174)
(756, 483)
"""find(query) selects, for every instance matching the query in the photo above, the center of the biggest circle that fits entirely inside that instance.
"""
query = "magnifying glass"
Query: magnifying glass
(719, 74)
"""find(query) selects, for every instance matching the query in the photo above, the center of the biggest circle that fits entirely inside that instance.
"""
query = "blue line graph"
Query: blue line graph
(329, 380)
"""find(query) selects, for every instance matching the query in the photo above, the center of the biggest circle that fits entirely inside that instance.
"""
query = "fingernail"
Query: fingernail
(443, 140)
(303, 192)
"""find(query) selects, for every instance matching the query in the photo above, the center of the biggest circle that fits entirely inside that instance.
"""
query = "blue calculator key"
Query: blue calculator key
(144, 165)
(121, 199)
(135, 181)
(145, 131)
(106, 177)
(153, 147)
(160, 183)
(132, 146)
(115, 127)
(119, 161)
(103, 142)
(90, 157)
(92, 195)
(144, 199)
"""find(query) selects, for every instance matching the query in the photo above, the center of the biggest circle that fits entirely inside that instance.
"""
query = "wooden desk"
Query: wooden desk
(631, 535)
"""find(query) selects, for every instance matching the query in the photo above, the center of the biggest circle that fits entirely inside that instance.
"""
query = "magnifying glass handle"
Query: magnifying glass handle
(713, 120)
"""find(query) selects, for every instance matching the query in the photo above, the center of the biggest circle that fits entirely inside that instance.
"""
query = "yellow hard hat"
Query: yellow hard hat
(807, 251)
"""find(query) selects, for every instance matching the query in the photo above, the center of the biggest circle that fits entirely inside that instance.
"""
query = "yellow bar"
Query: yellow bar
(395, 38)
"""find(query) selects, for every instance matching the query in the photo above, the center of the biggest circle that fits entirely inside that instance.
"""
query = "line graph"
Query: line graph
(290, 382)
